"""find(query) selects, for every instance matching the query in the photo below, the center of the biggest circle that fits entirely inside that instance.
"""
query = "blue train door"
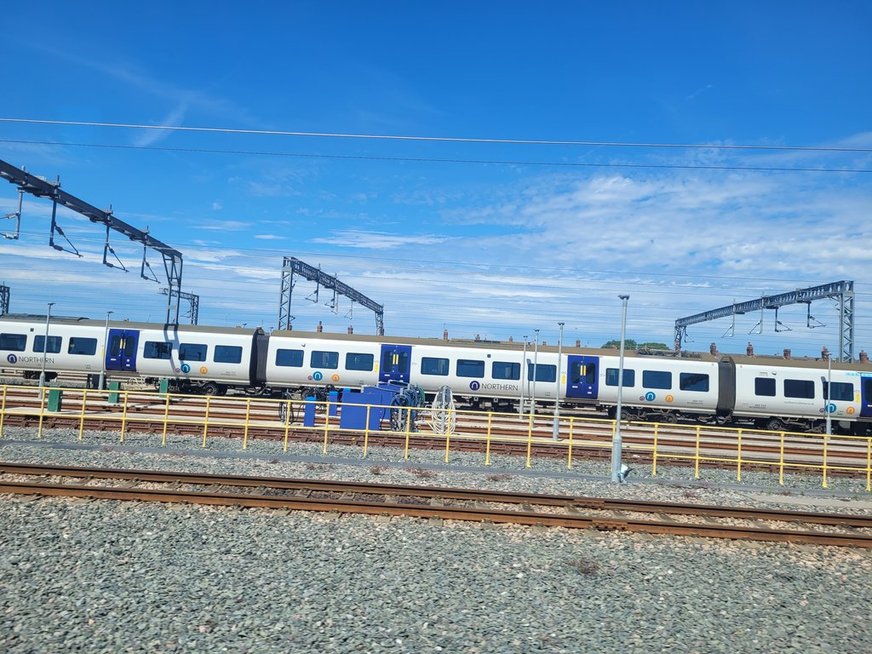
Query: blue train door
(583, 378)
(121, 349)
(866, 397)
(396, 360)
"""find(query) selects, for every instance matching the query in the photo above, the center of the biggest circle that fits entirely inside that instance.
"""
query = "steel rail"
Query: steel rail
(473, 495)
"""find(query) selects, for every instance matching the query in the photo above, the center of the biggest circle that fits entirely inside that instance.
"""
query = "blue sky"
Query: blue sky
(496, 239)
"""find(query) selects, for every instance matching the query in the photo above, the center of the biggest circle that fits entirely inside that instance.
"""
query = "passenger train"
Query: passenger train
(770, 392)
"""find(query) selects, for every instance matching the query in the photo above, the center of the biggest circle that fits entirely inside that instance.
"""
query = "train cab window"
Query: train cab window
(470, 368)
(544, 373)
(54, 344)
(13, 342)
(157, 350)
(321, 359)
(227, 354)
(842, 391)
(359, 361)
(586, 373)
(764, 387)
(657, 379)
(629, 377)
(505, 370)
(801, 388)
(289, 358)
(85, 346)
(434, 366)
(192, 352)
(692, 381)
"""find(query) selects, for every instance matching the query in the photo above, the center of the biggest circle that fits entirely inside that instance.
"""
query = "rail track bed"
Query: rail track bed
(441, 503)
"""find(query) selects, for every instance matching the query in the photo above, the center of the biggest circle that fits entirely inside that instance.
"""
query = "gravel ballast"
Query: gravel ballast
(105, 576)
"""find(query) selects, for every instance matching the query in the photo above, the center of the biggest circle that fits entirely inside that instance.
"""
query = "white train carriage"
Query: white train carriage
(193, 358)
(660, 388)
(780, 393)
(73, 345)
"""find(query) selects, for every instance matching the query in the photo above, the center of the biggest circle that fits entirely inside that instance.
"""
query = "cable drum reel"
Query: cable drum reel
(402, 417)
(443, 419)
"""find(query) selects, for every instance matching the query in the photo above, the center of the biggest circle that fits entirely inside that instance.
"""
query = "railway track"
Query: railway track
(443, 503)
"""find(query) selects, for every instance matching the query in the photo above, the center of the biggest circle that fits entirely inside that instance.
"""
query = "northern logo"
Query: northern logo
(12, 358)
(474, 385)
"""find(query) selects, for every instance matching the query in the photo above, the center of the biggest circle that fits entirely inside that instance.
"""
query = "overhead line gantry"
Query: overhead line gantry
(292, 265)
(39, 187)
(842, 292)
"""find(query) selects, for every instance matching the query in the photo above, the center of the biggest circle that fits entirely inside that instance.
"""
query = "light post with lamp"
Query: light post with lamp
(617, 473)
(102, 382)
(45, 348)
(555, 431)
(535, 372)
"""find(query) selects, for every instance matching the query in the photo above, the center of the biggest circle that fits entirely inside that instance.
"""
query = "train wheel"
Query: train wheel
(210, 388)
(774, 424)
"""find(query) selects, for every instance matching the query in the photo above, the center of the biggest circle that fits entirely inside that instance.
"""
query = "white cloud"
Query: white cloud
(351, 238)
(269, 237)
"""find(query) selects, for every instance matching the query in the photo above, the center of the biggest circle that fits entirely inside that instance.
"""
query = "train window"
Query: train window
(543, 373)
(227, 354)
(79, 345)
(470, 368)
(505, 370)
(656, 379)
(612, 377)
(157, 350)
(359, 361)
(54, 344)
(13, 342)
(764, 387)
(842, 391)
(320, 359)
(693, 381)
(433, 366)
(192, 352)
(799, 388)
(289, 358)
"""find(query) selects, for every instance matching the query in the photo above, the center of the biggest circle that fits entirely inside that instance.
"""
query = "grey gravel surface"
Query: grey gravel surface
(95, 576)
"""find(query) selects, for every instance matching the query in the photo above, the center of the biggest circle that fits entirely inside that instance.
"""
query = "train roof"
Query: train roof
(127, 324)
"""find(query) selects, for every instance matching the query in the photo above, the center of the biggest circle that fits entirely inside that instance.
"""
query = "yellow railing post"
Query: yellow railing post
(781, 461)
(206, 420)
(569, 449)
(408, 427)
(82, 415)
(3, 410)
(366, 431)
(287, 423)
(41, 411)
(245, 427)
(124, 416)
(448, 435)
(696, 456)
(487, 438)
(529, 439)
(824, 470)
(739, 455)
(326, 424)
(869, 464)
(654, 464)
(163, 440)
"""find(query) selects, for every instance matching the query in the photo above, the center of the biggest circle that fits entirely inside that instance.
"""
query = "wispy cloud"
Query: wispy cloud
(173, 119)
(378, 240)
(225, 225)
(269, 237)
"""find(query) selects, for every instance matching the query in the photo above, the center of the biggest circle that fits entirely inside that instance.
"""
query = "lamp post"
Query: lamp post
(45, 348)
(828, 395)
(555, 431)
(535, 373)
(616, 441)
(102, 383)
(521, 376)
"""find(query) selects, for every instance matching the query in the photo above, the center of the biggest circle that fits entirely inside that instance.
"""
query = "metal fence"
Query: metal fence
(687, 444)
